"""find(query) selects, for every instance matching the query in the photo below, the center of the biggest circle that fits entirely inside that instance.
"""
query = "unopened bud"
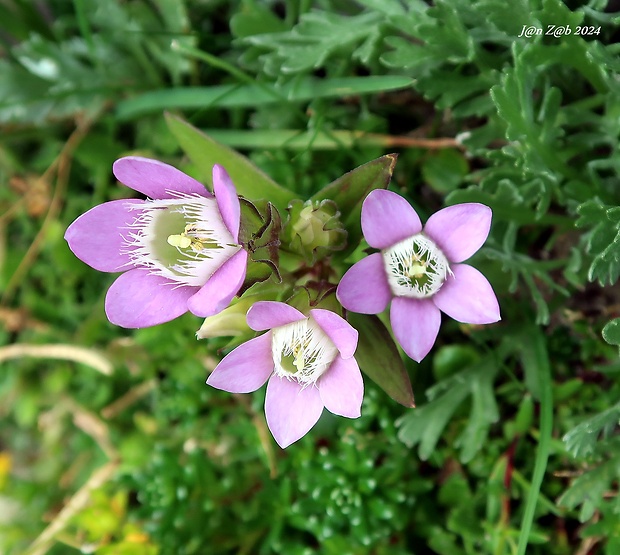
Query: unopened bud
(315, 229)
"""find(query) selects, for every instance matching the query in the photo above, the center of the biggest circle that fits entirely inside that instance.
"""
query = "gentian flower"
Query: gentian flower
(308, 361)
(420, 270)
(179, 249)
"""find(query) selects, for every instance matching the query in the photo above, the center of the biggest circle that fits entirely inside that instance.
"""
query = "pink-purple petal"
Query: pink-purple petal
(468, 297)
(364, 287)
(227, 200)
(264, 315)
(96, 237)
(138, 299)
(342, 388)
(415, 323)
(460, 230)
(388, 218)
(246, 368)
(155, 179)
(215, 295)
(343, 334)
(291, 410)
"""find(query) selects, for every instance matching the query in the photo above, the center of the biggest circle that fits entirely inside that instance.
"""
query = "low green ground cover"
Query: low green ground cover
(111, 443)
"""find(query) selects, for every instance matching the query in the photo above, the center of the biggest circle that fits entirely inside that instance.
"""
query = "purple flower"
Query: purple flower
(178, 249)
(420, 270)
(308, 361)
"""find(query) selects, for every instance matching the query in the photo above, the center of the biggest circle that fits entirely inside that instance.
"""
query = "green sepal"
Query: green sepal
(314, 229)
(315, 294)
(204, 152)
(259, 233)
(350, 190)
(379, 359)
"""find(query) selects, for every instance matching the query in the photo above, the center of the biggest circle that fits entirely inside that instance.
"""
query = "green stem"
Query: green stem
(537, 356)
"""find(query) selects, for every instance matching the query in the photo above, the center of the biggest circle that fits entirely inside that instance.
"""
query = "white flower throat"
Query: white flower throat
(183, 239)
(415, 267)
(302, 351)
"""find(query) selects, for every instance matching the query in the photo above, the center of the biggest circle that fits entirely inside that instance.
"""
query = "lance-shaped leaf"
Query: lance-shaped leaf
(379, 359)
(350, 190)
(204, 152)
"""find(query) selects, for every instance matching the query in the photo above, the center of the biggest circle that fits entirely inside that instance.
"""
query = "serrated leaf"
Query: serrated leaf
(425, 425)
(445, 40)
(316, 37)
(379, 359)
(602, 241)
(582, 439)
(204, 152)
(588, 489)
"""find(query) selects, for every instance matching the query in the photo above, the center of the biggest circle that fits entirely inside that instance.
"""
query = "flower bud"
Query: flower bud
(230, 322)
(314, 229)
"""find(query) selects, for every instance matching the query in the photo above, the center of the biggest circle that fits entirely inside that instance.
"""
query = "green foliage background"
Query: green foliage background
(110, 441)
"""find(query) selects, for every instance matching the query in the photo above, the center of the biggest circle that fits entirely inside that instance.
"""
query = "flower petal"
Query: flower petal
(227, 200)
(342, 388)
(96, 237)
(468, 297)
(343, 334)
(264, 315)
(138, 299)
(415, 323)
(364, 287)
(155, 179)
(460, 230)
(215, 295)
(246, 368)
(290, 409)
(388, 218)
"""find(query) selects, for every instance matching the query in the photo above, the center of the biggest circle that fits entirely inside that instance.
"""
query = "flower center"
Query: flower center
(415, 267)
(183, 239)
(302, 351)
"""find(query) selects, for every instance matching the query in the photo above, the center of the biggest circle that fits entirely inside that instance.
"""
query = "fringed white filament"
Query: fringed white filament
(415, 267)
(309, 347)
(147, 238)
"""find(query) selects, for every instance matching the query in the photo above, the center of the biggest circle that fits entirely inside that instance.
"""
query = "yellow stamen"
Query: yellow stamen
(299, 361)
(179, 241)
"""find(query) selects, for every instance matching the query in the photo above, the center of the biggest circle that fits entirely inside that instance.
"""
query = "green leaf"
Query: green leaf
(445, 40)
(426, 424)
(379, 359)
(445, 170)
(350, 190)
(317, 37)
(611, 332)
(581, 441)
(602, 241)
(305, 89)
(588, 490)
(536, 364)
(255, 19)
(483, 413)
(204, 152)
